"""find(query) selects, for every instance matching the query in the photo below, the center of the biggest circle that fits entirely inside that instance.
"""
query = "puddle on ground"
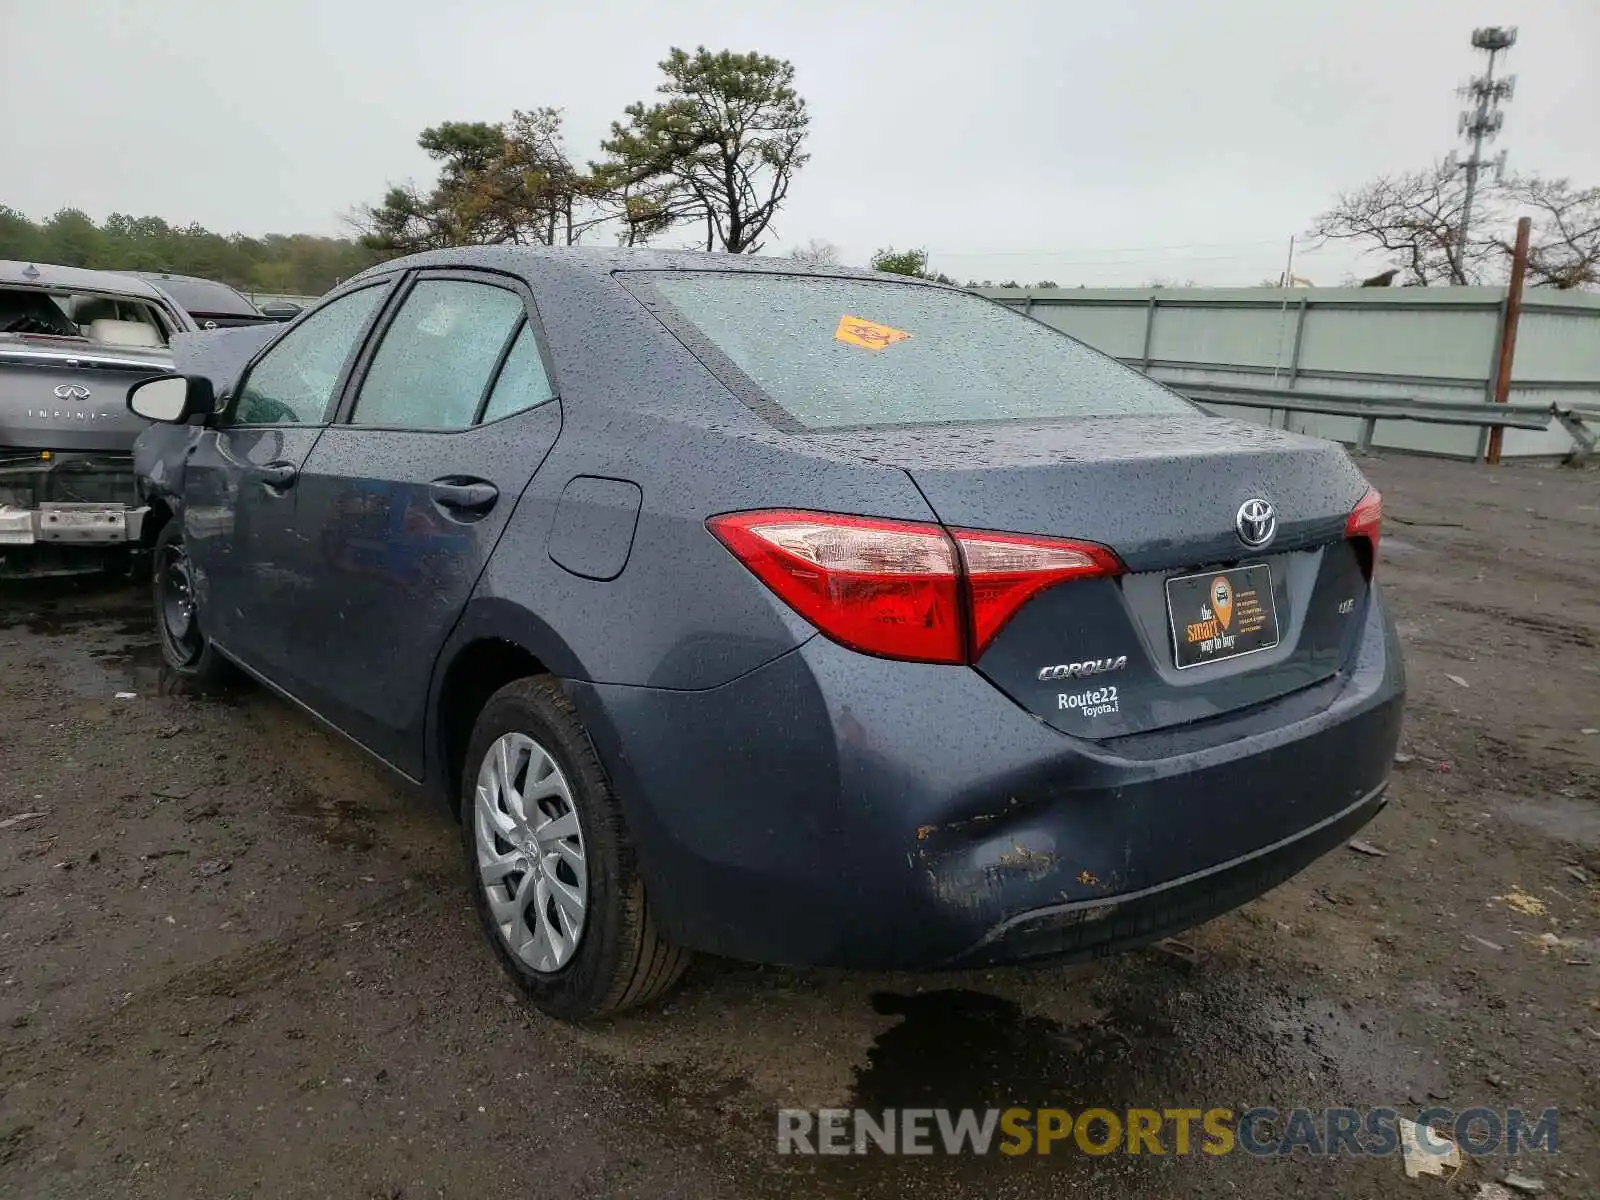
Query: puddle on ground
(55, 607)
(138, 665)
(98, 671)
(1164, 1035)
(964, 1049)
(96, 636)
(1563, 818)
(340, 823)
(1149, 1034)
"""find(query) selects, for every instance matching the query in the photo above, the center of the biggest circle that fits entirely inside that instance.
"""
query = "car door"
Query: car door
(404, 497)
(240, 484)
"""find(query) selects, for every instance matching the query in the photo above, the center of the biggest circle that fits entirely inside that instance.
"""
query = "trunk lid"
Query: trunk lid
(222, 354)
(1099, 658)
(61, 394)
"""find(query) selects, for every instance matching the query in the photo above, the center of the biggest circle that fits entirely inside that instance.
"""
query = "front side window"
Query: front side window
(833, 353)
(438, 355)
(294, 382)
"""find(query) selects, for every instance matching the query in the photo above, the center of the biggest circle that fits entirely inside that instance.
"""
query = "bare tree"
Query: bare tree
(1564, 250)
(1412, 219)
(816, 253)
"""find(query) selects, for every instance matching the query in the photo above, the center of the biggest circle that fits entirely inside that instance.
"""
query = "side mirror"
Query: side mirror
(171, 398)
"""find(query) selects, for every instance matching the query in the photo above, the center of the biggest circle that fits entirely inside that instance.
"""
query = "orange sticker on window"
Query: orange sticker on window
(869, 335)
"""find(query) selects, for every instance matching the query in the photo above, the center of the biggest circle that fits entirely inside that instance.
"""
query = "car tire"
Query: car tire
(525, 845)
(186, 650)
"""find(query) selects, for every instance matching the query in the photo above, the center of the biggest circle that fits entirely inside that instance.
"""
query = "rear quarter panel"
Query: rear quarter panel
(638, 407)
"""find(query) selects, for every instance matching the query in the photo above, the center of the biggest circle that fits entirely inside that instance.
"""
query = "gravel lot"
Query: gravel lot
(236, 960)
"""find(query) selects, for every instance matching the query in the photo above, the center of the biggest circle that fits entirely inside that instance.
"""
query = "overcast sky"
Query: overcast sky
(1101, 142)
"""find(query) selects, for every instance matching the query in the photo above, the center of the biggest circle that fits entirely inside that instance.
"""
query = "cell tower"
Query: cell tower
(1482, 121)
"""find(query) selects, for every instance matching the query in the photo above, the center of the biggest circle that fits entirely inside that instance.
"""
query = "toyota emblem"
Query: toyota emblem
(1256, 522)
(71, 391)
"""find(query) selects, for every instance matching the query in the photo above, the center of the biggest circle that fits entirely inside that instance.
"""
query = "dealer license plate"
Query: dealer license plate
(1220, 615)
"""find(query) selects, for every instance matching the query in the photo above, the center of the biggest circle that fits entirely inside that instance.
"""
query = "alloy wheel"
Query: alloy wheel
(530, 852)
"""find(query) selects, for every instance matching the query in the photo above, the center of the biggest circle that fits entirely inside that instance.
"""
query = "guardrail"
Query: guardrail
(1580, 423)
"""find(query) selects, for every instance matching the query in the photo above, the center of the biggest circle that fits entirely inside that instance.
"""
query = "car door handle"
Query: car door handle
(464, 495)
(279, 474)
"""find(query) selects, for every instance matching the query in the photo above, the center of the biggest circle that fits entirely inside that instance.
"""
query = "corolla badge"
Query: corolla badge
(71, 391)
(1256, 522)
(1077, 670)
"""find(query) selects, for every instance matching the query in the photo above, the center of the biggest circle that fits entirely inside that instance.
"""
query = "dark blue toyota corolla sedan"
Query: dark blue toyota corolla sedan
(815, 617)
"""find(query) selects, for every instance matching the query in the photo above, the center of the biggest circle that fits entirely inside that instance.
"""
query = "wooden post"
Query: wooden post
(1508, 335)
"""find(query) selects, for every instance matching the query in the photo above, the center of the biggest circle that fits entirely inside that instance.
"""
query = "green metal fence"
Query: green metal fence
(1437, 344)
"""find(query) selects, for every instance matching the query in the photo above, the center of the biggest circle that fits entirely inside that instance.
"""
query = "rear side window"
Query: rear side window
(522, 382)
(851, 353)
(438, 355)
(294, 381)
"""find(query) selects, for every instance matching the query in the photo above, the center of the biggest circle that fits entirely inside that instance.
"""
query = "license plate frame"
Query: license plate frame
(1250, 614)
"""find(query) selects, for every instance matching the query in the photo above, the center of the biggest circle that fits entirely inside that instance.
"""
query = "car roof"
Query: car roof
(605, 259)
(75, 279)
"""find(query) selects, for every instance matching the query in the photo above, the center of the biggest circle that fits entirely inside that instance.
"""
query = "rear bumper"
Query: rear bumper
(68, 498)
(72, 524)
(834, 809)
(1088, 928)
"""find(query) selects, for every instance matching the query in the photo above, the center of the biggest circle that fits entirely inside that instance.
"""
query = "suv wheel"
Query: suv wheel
(184, 645)
(551, 865)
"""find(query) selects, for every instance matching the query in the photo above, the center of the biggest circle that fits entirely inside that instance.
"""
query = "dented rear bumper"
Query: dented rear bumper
(65, 513)
(68, 498)
(72, 524)
(835, 809)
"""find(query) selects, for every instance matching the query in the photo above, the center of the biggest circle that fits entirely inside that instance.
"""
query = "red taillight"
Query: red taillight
(1006, 570)
(897, 588)
(1366, 521)
(885, 587)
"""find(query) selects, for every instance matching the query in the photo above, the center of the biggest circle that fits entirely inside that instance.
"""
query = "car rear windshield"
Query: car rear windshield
(97, 317)
(206, 297)
(859, 353)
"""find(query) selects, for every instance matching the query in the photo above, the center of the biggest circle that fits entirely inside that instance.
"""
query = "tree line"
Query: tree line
(297, 264)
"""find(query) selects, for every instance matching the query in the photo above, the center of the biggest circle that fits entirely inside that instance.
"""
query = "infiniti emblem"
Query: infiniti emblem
(1256, 522)
(71, 391)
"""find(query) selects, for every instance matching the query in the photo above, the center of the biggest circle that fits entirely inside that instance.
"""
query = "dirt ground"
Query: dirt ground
(236, 960)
